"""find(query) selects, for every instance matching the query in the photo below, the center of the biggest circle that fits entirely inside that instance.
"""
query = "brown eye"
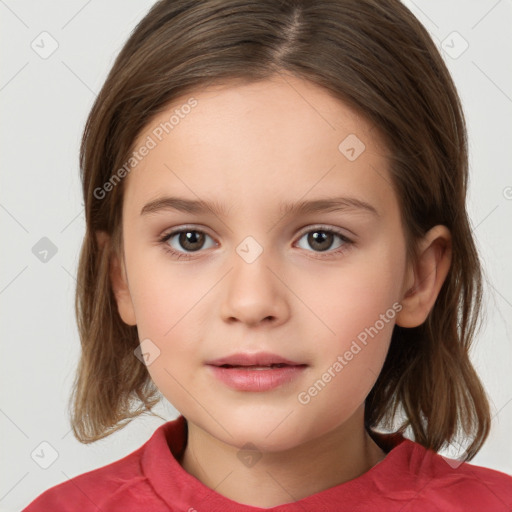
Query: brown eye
(322, 240)
(186, 240)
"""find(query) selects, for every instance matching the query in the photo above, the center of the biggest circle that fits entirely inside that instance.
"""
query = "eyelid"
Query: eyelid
(184, 227)
(325, 227)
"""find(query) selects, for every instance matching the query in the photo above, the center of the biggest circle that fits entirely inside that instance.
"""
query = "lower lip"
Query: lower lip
(257, 380)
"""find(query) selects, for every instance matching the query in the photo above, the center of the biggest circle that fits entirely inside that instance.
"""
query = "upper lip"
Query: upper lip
(255, 359)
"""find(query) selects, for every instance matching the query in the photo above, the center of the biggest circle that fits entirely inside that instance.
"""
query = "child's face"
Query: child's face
(249, 148)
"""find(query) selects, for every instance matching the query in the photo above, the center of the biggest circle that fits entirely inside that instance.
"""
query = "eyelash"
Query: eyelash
(346, 245)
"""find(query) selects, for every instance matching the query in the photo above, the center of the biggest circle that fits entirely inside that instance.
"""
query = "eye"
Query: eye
(321, 239)
(188, 239)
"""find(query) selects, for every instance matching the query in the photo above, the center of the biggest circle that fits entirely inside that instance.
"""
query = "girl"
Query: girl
(277, 241)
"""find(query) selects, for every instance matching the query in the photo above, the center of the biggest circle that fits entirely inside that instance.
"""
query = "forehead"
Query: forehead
(278, 140)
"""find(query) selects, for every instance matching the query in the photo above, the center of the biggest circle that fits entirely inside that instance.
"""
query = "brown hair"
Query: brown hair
(375, 56)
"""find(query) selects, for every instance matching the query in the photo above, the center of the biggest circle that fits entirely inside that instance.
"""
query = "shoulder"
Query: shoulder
(119, 484)
(449, 484)
(89, 491)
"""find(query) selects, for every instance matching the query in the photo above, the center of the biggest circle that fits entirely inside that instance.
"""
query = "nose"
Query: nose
(254, 294)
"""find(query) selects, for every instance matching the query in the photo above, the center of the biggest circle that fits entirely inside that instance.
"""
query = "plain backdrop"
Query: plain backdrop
(55, 57)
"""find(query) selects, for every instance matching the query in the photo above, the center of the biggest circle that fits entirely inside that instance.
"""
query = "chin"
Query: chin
(269, 431)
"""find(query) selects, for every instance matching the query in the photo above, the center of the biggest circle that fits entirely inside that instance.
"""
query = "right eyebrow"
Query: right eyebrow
(183, 205)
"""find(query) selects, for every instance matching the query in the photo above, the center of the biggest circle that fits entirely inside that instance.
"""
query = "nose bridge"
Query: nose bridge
(254, 293)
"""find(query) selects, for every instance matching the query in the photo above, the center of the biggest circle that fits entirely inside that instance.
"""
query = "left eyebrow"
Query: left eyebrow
(333, 204)
(286, 208)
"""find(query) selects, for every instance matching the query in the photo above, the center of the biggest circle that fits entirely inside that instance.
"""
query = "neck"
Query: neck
(286, 476)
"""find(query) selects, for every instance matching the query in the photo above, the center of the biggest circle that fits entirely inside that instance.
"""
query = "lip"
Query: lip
(235, 371)
(255, 359)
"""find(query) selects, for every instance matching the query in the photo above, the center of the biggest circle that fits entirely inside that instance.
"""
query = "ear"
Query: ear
(118, 280)
(425, 277)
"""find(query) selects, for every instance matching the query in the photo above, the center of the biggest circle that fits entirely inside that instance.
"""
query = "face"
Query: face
(318, 289)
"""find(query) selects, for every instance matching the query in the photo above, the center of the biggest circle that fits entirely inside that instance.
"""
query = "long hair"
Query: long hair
(375, 56)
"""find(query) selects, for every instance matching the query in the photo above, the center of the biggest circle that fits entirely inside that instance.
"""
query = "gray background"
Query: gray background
(44, 101)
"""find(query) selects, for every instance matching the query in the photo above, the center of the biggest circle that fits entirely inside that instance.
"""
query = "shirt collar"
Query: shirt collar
(183, 492)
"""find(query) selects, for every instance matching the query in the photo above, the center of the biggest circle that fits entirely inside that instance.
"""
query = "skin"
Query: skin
(250, 146)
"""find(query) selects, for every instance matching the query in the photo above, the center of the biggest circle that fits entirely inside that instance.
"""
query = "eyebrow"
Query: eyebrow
(286, 208)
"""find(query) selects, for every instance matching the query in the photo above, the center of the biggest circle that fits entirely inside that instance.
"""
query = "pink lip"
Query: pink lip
(235, 371)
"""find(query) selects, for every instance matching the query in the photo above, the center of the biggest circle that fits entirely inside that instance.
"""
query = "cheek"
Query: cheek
(349, 361)
(167, 301)
(351, 298)
(358, 309)
(163, 292)
(166, 317)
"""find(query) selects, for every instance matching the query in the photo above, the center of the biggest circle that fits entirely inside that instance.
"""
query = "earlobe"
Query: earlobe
(427, 274)
(119, 282)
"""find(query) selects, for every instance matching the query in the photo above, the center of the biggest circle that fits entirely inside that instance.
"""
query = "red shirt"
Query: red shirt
(410, 478)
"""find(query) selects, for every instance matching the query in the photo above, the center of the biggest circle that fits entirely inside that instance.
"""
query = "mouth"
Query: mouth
(257, 367)
(255, 372)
